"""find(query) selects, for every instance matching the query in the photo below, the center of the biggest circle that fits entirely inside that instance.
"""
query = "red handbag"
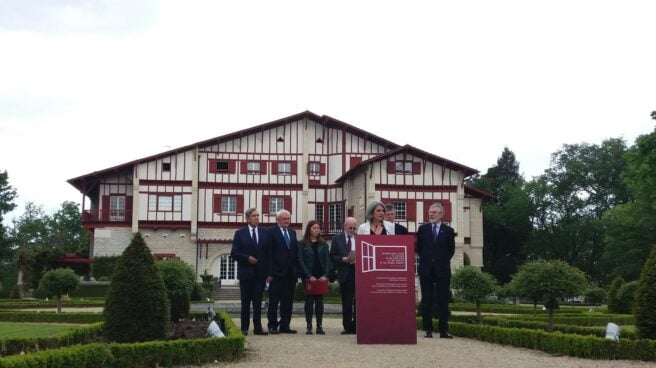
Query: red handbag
(316, 287)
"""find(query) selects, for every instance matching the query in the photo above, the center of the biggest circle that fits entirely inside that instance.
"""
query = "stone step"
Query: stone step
(226, 293)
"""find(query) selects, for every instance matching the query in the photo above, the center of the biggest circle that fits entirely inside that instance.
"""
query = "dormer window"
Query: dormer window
(403, 167)
(166, 167)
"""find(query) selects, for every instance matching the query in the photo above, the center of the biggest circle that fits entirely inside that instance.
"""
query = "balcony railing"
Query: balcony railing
(106, 215)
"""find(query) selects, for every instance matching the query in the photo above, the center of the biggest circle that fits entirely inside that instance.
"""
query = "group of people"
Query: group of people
(275, 257)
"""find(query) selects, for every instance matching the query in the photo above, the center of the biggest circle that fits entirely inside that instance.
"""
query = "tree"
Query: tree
(136, 306)
(7, 197)
(645, 299)
(552, 281)
(569, 200)
(473, 286)
(629, 226)
(179, 279)
(625, 298)
(612, 294)
(57, 283)
(506, 219)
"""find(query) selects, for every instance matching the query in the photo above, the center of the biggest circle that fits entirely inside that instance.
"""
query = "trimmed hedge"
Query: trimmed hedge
(516, 309)
(38, 303)
(591, 347)
(144, 354)
(602, 320)
(50, 317)
(80, 335)
(88, 289)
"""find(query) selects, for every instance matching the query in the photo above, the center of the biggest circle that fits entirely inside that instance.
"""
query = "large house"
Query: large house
(187, 202)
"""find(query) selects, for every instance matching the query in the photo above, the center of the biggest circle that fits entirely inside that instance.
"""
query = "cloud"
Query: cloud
(77, 16)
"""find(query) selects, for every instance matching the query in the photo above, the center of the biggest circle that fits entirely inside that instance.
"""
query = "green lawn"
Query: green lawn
(23, 329)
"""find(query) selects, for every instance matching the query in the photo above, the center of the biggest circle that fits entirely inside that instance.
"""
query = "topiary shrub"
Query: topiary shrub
(595, 295)
(179, 279)
(57, 283)
(136, 307)
(626, 297)
(645, 299)
(473, 286)
(611, 299)
(199, 293)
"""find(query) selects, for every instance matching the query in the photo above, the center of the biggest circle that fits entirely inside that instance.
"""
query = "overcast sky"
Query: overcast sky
(86, 85)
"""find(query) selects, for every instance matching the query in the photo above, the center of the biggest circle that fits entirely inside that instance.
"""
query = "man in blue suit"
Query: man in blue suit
(251, 248)
(283, 275)
(435, 246)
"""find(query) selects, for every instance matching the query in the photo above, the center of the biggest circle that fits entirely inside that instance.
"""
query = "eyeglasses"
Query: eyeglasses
(351, 228)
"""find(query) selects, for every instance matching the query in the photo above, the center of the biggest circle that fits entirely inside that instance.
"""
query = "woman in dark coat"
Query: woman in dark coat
(314, 264)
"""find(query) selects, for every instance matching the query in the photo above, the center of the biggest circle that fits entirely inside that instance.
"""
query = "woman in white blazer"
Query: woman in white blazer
(375, 225)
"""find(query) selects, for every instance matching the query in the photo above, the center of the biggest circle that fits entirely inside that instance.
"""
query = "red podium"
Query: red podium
(385, 289)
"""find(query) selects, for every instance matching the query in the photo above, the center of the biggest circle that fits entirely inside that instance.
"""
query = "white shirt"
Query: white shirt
(250, 232)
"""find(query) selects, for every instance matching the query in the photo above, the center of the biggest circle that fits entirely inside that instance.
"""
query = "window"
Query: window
(228, 204)
(116, 208)
(166, 166)
(284, 168)
(400, 210)
(164, 203)
(276, 204)
(403, 167)
(253, 167)
(314, 168)
(318, 213)
(222, 166)
(227, 268)
(335, 217)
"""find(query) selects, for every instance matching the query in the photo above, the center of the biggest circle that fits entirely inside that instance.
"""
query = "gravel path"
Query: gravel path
(334, 350)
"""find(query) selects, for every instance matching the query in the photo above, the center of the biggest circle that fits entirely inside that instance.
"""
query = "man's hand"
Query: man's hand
(312, 279)
(269, 279)
(252, 260)
(323, 278)
(345, 259)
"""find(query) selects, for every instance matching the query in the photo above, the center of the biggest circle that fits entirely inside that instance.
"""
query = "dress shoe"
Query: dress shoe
(320, 331)
(428, 334)
(287, 331)
(345, 333)
(309, 331)
(260, 332)
(273, 331)
(245, 333)
(445, 335)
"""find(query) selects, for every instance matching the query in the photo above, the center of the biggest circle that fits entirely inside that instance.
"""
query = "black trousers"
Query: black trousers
(314, 303)
(281, 292)
(435, 289)
(348, 301)
(251, 292)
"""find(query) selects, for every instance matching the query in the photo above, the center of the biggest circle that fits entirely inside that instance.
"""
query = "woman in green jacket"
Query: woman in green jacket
(314, 263)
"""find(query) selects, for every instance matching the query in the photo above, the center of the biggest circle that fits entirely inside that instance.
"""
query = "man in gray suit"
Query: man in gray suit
(342, 244)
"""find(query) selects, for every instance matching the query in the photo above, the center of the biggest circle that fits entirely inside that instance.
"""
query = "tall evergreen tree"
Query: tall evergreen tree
(137, 306)
(506, 220)
(7, 197)
(645, 300)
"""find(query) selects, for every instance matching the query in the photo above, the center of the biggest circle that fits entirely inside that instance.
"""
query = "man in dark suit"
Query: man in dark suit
(283, 276)
(251, 248)
(435, 246)
(340, 247)
(390, 216)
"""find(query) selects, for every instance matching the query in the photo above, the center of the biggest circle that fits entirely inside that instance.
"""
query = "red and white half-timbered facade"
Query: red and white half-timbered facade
(188, 202)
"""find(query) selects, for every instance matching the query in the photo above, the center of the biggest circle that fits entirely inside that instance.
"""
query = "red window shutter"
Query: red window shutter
(232, 167)
(128, 208)
(322, 169)
(391, 167)
(274, 167)
(265, 204)
(263, 167)
(217, 204)
(105, 208)
(294, 167)
(446, 205)
(411, 210)
(240, 204)
(427, 205)
(211, 166)
(416, 167)
(354, 161)
(244, 167)
(287, 202)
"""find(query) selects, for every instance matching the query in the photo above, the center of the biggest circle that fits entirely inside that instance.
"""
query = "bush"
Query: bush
(625, 297)
(136, 308)
(50, 317)
(179, 279)
(595, 296)
(9, 277)
(611, 299)
(103, 267)
(645, 299)
(473, 286)
(199, 293)
(82, 335)
(57, 283)
(91, 289)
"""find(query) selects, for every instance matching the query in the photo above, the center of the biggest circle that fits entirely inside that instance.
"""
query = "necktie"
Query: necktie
(254, 237)
(350, 245)
(435, 233)
(286, 236)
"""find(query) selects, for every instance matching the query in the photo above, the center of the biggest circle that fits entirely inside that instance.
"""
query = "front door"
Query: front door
(227, 270)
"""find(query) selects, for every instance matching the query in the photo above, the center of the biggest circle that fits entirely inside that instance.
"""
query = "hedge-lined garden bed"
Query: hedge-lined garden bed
(50, 317)
(145, 354)
(516, 309)
(81, 335)
(38, 303)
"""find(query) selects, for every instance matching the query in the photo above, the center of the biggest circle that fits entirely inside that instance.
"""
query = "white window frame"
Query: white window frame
(400, 210)
(117, 208)
(403, 167)
(253, 167)
(276, 204)
(314, 168)
(335, 217)
(229, 204)
(284, 168)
